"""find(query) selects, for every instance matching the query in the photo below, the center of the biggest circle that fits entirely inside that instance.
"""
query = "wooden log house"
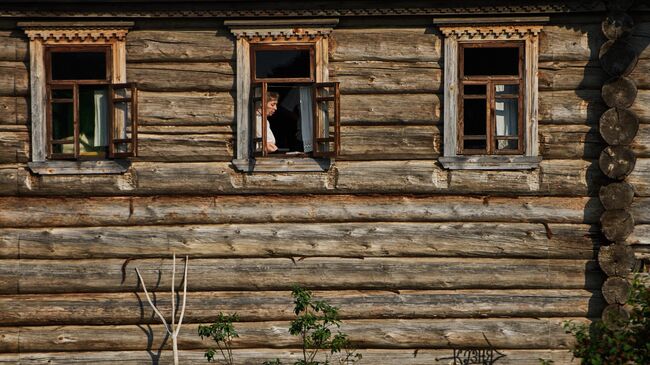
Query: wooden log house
(453, 175)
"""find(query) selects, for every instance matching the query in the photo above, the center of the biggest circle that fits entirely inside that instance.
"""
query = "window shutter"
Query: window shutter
(258, 121)
(327, 119)
(123, 117)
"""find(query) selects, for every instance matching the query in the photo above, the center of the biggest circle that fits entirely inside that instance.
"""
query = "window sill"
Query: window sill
(485, 162)
(289, 164)
(79, 167)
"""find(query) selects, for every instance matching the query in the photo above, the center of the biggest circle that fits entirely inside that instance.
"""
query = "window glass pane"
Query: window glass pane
(491, 61)
(93, 120)
(474, 119)
(63, 121)
(62, 94)
(78, 65)
(282, 64)
(506, 89)
(510, 144)
(478, 144)
(506, 117)
(474, 89)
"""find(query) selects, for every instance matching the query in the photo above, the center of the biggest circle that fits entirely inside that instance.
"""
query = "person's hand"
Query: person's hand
(271, 147)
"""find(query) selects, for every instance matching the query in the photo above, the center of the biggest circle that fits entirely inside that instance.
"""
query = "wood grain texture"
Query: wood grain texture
(390, 142)
(14, 45)
(570, 141)
(390, 109)
(570, 107)
(422, 239)
(189, 147)
(640, 177)
(185, 76)
(186, 108)
(368, 77)
(13, 110)
(640, 106)
(14, 79)
(117, 275)
(575, 42)
(570, 75)
(167, 210)
(399, 44)
(14, 144)
(129, 308)
(181, 45)
(541, 333)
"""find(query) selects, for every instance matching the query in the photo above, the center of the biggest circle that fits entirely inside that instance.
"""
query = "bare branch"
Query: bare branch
(180, 318)
(146, 293)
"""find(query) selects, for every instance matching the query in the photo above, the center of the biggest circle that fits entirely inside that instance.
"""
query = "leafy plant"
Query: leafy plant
(630, 344)
(222, 331)
(315, 320)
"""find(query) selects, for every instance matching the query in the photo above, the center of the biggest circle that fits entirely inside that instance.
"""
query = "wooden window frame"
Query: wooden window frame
(490, 81)
(490, 31)
(290, 46)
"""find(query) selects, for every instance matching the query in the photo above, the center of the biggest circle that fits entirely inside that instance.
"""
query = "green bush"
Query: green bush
(630, 344)
(222, 332)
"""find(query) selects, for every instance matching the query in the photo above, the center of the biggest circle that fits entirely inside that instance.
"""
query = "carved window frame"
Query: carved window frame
(459, 31)
(286, 31)
(49, 34)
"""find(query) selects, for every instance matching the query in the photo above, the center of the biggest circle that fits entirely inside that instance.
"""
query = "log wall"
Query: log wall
(420, 259)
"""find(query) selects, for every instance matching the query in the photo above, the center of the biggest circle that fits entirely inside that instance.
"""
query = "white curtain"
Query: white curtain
(506, 117)
(101, 118)
(306, 118)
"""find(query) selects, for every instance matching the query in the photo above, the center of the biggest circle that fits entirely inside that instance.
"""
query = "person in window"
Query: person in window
(271, 107)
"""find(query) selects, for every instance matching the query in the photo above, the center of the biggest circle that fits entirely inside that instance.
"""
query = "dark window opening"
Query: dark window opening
(491, 61)
(78, 65)
(283, 64)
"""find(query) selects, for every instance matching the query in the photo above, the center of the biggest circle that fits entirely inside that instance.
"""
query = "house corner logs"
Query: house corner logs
(618, 127)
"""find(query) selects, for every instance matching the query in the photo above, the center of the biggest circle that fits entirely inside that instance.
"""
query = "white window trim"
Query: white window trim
(41, 34)
(285, 30)
(489, 29)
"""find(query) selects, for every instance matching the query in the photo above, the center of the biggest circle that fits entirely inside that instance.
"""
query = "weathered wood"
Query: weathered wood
(640, 106)
(616, 290)
(617, 162)
(641, 210)
(259, 355)
(390, 108)
(640, 74)
(640, 177)
(570, 177)
(539, 333)
(185, 147)
(390, 142)
(127, 308)
(576, 42)
(216, 76)
(166, 210)
(14, 144)
(616, 259)
(118, 275)
(617, 25)
(14, 45)
(531, 240)
(569, 141)
(641, 143)
(180, 45)
(615, 316)
(386, 44)
(617, 225)
(619, 195)
(13, 110)
(367, 77)
(14, 79)
(617, 57)
(495, 181)
(570, 75)
(390, 176)
(570, 107)
(619, 126)
(186, 108)
(8, 180)
(619, 92)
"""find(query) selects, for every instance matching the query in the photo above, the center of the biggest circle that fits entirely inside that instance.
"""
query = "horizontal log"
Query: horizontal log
(541, 333)
(14, 145)
(640, 177)
(570, 141)
(8, 180)
(502, 240)
(570, 75)
(641, 210)
(186, 108)
(257, 356)
(390, 142)
(14, 79)
(132, 308)
(570, 107)
(15, 45)
(640, 238)
(639, 39)
(185, 147)
(388, 176)
(118, 275)
(166, 210)
(575, 42)
(640, 74)
(390, 108)
(179, 45)
(214, 76)
(367, 77)
(13, 110)
(571, 177)
(640, 106)
(400, 44)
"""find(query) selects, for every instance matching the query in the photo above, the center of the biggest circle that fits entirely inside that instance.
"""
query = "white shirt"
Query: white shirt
(270, 138)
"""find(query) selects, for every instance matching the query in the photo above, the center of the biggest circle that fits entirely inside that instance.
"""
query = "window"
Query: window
(84, 115)
(287, 113)
(490, 95)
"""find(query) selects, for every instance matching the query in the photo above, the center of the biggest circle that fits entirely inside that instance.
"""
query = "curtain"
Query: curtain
(307, 118)
(100, 137)
(506, 117)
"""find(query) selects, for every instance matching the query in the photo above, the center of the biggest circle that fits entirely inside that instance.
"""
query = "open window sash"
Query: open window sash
(259, 122)
(123, 118)
(327, 119)
(63, 135)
